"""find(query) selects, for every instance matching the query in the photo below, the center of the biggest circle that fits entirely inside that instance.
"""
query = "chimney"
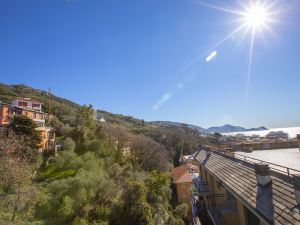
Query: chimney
(263, 175)
(207, 152)
(296, 181)
(298, 138)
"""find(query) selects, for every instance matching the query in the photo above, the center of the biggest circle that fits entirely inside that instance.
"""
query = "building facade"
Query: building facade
(33, 110)
(232, 191)
(4, 114)
(183, 183)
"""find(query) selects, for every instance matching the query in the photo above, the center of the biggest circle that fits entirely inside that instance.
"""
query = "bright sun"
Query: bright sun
(256, 16)
(253, 17)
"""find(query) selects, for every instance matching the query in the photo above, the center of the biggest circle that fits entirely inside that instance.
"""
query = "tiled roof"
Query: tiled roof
(181, 173)
(275, 202)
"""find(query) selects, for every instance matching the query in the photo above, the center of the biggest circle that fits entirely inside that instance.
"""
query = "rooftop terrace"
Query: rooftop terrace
(283, 157)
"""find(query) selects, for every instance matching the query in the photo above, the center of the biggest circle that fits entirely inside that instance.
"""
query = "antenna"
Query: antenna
(49, 103)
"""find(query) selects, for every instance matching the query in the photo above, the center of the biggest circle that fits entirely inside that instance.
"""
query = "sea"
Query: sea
(291, 131)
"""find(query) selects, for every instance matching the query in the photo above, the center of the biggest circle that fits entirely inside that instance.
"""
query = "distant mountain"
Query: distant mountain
(230, 128)
(222, 129)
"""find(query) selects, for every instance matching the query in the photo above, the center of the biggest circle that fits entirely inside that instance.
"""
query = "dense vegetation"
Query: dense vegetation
(113, 172)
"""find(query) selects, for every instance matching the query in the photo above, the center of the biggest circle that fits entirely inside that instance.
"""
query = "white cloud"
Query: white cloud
(211, 56)
(163, 99)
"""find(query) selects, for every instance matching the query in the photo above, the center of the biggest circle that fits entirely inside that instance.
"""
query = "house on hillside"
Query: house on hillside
(183, 182)
(33, 110)
(25, 107)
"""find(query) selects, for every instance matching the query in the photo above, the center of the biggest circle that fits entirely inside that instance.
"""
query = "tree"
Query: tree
(148, 154)
(24, 126)
(69, 144)
(133, 208)
(217, 135)
(86, 118)
(16, 170)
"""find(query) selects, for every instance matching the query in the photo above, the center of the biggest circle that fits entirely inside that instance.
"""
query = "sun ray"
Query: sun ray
(255, 17)
(220, 8)
(250, 62)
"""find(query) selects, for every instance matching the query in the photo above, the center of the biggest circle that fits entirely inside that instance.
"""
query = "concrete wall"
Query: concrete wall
(265, 145)
(241, 213)
(231, 218)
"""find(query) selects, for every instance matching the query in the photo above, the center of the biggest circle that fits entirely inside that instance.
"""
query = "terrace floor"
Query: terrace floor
(284, 157)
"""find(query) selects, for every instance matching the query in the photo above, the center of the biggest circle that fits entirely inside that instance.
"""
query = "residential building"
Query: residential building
(48, 138)
(22, 106)
(27, 103)
(33, 110)
(4, 114)
(235, 190)
(277, 135)
(183, 182)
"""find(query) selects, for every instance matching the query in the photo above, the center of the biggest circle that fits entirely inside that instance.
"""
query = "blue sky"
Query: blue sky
(134, 57)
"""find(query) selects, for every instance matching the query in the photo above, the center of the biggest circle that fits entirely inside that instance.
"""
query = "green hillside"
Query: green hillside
(114, 171)
(174, 138)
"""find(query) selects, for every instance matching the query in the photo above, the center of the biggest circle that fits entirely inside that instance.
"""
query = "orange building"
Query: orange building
(33, 110)
(48, 138)
(22, 106)
(4, 114)
(183, 181)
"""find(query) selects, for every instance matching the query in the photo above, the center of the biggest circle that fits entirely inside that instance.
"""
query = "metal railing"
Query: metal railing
(214, 204)
(202, 187)
(247, 159)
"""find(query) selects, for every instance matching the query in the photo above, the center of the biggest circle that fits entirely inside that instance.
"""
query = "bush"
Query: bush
(69, 144)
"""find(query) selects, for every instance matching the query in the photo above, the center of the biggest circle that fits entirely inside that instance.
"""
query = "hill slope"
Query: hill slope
(175, 138)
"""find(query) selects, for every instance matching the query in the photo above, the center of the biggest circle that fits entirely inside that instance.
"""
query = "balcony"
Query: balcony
(201, 187)
(214, 204)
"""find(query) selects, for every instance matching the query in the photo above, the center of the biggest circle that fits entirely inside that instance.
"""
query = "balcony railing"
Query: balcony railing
(202, 187)
(214, 204)
(246, 159)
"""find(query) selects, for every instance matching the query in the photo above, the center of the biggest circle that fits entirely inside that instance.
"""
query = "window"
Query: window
(34, 105)
(22, 104)
(251, 218)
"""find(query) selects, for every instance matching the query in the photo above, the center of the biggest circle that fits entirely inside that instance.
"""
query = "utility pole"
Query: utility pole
(49, 104)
